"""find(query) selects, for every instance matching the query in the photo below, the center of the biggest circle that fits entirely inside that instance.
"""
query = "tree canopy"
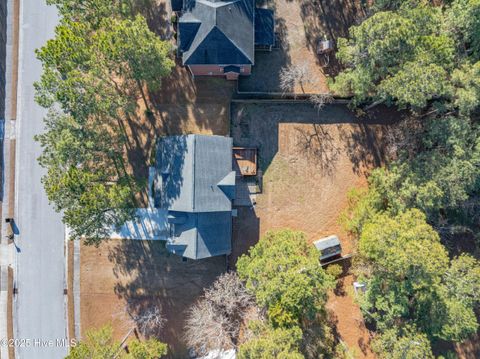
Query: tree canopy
(267, 343)
(92, 76)
(99, 344)
(410, 278)
(413, 53)
(406, 343)
(283, 272)
(438, 177)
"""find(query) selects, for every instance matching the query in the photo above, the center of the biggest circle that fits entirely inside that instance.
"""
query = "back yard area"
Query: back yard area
(309, 160)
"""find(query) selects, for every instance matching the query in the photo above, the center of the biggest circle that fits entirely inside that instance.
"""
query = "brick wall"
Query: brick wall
(216, 70)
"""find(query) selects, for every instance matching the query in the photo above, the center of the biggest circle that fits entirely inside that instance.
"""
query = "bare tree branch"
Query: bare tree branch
(214, 322)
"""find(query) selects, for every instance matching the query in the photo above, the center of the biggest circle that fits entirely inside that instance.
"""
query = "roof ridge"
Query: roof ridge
(193, 170)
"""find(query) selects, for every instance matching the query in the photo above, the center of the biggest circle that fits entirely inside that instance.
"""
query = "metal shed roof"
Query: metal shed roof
(326, 242)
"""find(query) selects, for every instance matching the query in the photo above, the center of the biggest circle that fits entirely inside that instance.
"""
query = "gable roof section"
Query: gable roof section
(201, 235)
(225, 35)
(191, 168)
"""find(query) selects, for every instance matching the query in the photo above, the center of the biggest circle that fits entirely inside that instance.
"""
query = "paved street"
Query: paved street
(39, 312)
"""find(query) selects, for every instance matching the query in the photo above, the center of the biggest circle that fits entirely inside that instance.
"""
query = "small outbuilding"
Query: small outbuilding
(328, 247)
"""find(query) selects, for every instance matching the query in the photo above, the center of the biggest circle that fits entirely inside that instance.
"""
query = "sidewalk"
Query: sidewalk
(8, 139)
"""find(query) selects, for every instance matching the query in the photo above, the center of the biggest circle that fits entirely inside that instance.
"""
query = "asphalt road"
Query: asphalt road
(39, 314)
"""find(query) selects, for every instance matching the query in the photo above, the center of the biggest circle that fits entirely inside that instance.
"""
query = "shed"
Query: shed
(328, 247)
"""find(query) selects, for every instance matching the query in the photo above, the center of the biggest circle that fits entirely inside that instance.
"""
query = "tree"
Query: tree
(405, 285)
(214, 322)
(292, 75)
(320, 100)
(437, 176)
(463, 23)
(406, 343)
(270, 343)
(403, 280)
(409, 56)
(467, 88)
(148, 349)
(462, 280)
(132, 52)
(149, 319)
(416, 84)
(93, 11)
(284, 274)
(99, 344)
(91, 78)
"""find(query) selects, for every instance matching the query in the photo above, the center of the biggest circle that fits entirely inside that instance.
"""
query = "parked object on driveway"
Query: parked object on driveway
(328, 247)
(324, 48)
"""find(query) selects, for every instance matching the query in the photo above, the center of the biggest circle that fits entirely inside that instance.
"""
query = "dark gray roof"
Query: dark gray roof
(264, 27)
(191, 168)
(225, 35)
(231, 68)
(176, 5)
(201, 235)
(197, 186)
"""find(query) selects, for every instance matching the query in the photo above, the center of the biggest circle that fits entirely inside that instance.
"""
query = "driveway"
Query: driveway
(39, 309)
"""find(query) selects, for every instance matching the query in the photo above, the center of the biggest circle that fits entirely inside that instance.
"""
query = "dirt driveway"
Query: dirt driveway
(299, 25)
(144, 274)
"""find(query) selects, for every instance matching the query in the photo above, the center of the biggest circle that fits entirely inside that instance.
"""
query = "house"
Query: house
(218, 38)
(196, 185)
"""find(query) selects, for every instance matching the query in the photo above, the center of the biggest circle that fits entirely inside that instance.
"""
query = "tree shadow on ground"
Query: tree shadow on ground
(318, 145)
(332, 20)
(149, 276)
(245, 233)
(257, 125)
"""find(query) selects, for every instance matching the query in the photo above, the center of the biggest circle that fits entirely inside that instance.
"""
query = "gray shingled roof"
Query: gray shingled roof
(197, 185)
(225, 35)
(191, 168)
(201, 235)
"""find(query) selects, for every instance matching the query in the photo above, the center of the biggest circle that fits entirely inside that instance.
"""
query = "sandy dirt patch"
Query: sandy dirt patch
(348, 320)
(142, 273)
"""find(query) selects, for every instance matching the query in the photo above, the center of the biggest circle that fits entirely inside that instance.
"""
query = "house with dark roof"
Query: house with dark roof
(196, 185)
(219, 38)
